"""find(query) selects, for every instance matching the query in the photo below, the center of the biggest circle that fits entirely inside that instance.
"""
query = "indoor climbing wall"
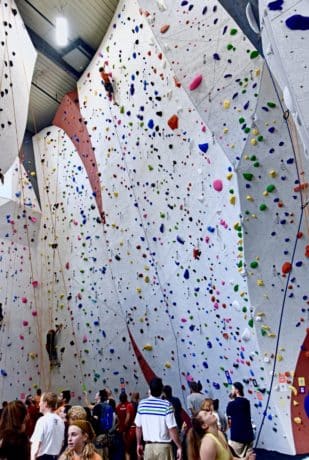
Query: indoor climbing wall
(17, 59)
(190, 259)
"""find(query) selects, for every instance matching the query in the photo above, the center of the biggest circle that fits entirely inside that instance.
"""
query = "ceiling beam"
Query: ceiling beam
(47, 50)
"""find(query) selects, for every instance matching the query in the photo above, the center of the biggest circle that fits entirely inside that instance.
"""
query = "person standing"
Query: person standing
(195, 398)
(48, 435)
(239, 421)
(156, 426)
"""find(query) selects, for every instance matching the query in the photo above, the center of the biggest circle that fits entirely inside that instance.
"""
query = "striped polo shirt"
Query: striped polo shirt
(155, 416)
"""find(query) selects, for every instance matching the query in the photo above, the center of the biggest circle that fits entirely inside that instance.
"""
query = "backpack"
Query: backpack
(106, 417)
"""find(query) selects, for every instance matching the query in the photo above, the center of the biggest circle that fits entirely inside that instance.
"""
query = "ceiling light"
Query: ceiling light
(62, 31)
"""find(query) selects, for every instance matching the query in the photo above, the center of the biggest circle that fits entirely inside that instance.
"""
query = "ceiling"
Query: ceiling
(57, 69)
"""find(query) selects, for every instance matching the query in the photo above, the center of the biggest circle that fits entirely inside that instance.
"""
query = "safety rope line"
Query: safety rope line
(289, 274)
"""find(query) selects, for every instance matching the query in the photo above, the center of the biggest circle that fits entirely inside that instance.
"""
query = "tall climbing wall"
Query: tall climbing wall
(189, 260)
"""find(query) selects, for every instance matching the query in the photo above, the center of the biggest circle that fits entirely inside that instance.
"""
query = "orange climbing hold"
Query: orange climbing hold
(286, 268)
(173, 122)
(307, 251)
(164, 28)
(301, 187)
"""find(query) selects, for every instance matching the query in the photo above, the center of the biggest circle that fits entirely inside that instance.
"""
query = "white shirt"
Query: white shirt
(48, 434)
(155, 416)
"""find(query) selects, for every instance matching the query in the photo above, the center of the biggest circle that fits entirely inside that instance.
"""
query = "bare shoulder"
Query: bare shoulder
(208, 449)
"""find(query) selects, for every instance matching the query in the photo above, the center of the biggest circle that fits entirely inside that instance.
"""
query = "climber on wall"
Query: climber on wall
(108, 84)
(51, 346)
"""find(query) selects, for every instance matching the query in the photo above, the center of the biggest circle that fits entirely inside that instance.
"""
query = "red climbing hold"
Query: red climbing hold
(173, 122)
(286, 268)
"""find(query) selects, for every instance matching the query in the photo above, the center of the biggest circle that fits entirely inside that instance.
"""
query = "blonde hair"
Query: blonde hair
(77, 413)
(207, 404)
(88, 449)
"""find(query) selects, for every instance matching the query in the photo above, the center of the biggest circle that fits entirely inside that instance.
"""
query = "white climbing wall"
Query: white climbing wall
(203, 256)
(17, 59)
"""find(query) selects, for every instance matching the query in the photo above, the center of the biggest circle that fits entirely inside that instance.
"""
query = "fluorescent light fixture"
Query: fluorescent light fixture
(62, 31)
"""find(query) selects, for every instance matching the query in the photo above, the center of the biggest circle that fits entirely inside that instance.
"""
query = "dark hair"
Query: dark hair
(194, 438)
(123, 397)
(239, 387)
(66, 395)
(103, 395)
(156, 386)
(194, 386)
(215, 403)
(39, 391)
(13, 416)
(167, 389)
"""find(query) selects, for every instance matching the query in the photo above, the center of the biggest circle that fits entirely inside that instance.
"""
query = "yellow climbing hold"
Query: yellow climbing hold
(257, 72)
(271, 334)
(295, 392)
(265, 193)
(279, 358)
(233, 199)
(138, 290)
(272, 173)
(229, 176)
(255, 131)
(253, 141)
(148, 347)
(226, 130)
(226, 104)
(297, 420)
(249, 198)
(167, 365)
(260, 282)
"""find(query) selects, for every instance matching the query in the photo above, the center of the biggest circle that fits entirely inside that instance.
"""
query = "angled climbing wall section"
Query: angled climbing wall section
(173, 234)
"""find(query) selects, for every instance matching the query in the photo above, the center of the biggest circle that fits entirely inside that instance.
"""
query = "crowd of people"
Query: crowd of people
(47, 427)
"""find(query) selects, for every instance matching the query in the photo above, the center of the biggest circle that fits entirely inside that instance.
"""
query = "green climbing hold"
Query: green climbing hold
(244, 309)
(254, 264)
(260, 138)
(254, 54)
(248, 176)
(250, 322)
(233, 31)
(229, 47)
(270, 188)
(253, 158)
(263, 207)
(271, 105)
(236, 287)
(241, 120)
(247, 130)
(256, 164)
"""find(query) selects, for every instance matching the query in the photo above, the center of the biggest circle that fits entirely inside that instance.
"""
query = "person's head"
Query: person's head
(194, 387)
(38, 392)
(13, 416)
(203, 421)
(76, 413)
(65, 396)
(155, 387)
(4, 404)
(48, 402)
(135, 397)
(207, 405)
(80, 436)
(29, 400)
(103, 395)
(167, 391)
(237, 389)
(123, 397)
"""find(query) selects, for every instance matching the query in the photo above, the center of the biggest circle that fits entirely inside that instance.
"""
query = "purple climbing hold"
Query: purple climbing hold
(298, 22)
(276, 5)
(203, 147)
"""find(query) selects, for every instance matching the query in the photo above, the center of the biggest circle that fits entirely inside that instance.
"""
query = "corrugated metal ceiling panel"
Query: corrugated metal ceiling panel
(88, 21)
